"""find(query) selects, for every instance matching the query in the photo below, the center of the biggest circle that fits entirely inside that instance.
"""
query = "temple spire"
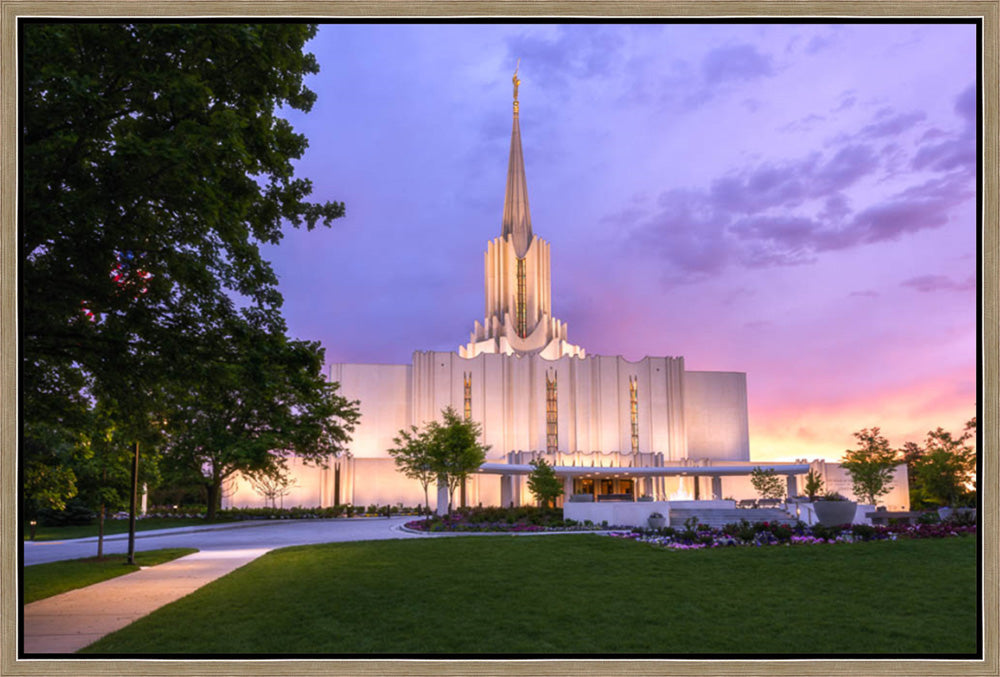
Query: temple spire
(516, 214)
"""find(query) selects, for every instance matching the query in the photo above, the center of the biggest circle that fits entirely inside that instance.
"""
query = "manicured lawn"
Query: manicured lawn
(111, 527)
(579, 594)
(46, 580)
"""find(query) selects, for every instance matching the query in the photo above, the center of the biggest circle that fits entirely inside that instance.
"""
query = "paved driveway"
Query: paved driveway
(235, 536)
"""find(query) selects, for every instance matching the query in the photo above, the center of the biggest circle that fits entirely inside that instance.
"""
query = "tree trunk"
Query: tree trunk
(212, 491)
(427, 499)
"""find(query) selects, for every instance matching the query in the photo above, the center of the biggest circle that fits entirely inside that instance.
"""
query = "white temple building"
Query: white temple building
(613, 429)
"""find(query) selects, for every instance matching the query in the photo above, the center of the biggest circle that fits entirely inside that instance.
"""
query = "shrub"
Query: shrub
(74, 514)
(865, 532)
(743, 530)
(962, 518)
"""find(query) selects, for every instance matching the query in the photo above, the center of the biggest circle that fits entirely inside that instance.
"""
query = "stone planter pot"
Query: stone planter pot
(945, 513)
(657, 522)
(834, 513)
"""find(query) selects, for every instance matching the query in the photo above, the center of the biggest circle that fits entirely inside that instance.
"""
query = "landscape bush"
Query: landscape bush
(74, 514)
(513, 519)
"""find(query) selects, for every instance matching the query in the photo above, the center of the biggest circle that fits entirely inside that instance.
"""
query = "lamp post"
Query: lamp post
(132, 502)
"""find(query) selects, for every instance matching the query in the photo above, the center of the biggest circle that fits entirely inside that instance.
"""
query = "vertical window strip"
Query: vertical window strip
(633, 399)
(522, 317)
(467, 377)
(551, 413)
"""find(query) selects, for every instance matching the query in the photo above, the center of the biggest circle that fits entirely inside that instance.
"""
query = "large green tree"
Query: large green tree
(264, 393)
(154, 164)
(943, 469)
(871, 466)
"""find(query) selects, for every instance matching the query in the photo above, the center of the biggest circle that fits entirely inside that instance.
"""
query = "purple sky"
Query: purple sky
(792, 201)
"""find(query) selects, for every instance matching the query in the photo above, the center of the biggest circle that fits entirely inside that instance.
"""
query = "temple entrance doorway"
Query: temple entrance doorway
(611, 489)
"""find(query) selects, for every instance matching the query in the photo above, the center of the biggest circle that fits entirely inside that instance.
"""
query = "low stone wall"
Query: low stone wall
(633, 514)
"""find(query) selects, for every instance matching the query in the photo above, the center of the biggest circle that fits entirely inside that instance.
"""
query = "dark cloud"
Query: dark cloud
(803, 124)
(626, 216)
(788, 184)
(887, 221)
(752, 219)
(776, 240)
(956, 151)
(866, 293)
(847, 101)
(933, 283)
(818, 43)
(835, 209)
(965, 104)
(687, 232)
(739, 62)
(890, 125)
(575, 51)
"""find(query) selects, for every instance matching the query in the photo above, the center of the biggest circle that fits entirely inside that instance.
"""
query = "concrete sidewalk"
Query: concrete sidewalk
(68, 622)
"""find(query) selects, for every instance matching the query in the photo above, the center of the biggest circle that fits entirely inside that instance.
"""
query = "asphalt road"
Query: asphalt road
(251, 535)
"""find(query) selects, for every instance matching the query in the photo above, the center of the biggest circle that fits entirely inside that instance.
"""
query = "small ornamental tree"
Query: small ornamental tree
(455, 450)
(767, 483)
(814, 484)
(447, 451)
(871, 466)
(543, 483)
(272, 483)
(412, 457)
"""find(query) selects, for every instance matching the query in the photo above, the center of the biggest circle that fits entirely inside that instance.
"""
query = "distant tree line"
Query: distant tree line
(941, 471)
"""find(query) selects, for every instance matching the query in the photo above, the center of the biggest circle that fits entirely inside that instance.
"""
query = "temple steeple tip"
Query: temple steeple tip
(516, 213)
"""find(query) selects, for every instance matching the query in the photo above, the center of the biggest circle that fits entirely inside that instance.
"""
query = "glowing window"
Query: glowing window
(522, 301)
(633, 404)
(468, 395)
(551, 413)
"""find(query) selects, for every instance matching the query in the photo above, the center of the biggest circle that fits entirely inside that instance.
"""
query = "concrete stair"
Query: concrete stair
(720, 517)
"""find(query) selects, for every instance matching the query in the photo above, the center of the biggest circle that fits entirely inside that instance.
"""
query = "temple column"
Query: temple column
(716, 488)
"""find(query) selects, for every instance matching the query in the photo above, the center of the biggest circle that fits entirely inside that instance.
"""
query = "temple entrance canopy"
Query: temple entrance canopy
(634, 483)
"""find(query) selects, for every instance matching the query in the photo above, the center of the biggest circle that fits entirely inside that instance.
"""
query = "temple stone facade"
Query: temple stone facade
(536, 394)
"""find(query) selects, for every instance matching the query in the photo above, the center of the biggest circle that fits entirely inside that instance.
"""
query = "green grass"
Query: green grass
(112, 527)
(581, 594)
(54, 578)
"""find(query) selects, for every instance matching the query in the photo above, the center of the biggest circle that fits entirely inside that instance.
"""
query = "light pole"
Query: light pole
(132, 502)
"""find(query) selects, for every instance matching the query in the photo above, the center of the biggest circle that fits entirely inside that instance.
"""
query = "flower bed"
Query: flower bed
(524, 519)
(744, 533)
